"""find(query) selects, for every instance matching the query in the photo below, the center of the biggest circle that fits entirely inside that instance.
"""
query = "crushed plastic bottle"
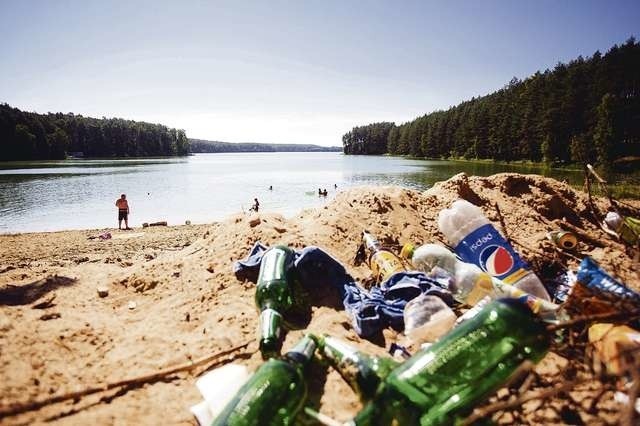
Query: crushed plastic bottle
(467, 283)
(477, 241)
(426, 318)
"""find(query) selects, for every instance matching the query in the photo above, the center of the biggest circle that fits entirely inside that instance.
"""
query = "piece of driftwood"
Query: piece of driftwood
(161, 223)
(13, 409)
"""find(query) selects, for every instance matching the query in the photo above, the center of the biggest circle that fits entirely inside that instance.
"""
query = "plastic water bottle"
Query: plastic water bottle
(467, 283)
(477, 241)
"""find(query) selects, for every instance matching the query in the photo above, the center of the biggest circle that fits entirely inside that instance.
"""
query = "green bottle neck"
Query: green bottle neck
(270, 332)
(338, 351)
(303, 351)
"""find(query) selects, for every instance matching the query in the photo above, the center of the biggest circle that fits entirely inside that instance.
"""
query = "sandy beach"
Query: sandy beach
(172, 297)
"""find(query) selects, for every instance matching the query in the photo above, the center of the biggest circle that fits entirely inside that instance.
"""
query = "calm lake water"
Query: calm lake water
(80, 194)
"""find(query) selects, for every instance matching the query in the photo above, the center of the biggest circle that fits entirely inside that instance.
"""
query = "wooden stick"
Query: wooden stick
(504, 226)
(13, 409)
(603, 183)
(597, 176)
(627, 316)
(321, 418)
(516, 402)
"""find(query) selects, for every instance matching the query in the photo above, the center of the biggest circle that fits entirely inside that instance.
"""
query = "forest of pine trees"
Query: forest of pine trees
(31, 136)
(585, 111)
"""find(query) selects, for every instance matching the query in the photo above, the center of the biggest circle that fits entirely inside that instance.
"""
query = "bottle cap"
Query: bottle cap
(407, 251)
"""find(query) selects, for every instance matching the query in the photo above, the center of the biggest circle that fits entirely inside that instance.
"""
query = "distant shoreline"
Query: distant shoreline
(201, 146)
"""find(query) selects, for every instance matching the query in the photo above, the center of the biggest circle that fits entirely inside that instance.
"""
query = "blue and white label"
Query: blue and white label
(489, 250)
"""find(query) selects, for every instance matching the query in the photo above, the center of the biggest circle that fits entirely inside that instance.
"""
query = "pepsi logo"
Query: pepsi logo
(496, 260)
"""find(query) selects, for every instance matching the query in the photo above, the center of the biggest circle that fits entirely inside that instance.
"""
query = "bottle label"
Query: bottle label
(489, 250)
(384, 264)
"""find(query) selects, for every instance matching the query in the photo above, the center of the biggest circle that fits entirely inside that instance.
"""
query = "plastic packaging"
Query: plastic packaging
(598, 280)
(467, 282)
(477, 241)
(596, 292)
(613, 220)
(216, 397)
(426, 318)
(616, 346)
(428, 256)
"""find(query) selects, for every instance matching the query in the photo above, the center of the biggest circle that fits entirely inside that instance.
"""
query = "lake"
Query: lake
(81, 194)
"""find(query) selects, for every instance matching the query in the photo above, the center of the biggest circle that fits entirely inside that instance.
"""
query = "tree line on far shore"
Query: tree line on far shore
(32, 136)
(585, 111)
(201, 145)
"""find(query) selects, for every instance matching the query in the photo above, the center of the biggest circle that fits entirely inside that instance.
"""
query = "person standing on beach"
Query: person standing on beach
(256, 205)
(123, 211)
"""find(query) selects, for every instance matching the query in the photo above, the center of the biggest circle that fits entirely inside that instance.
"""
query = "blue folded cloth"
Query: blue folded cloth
(370, 311)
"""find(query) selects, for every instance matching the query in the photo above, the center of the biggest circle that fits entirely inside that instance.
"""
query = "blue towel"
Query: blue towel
(370, 311)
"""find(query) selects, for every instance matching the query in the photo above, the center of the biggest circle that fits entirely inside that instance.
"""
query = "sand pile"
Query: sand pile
(172, 297)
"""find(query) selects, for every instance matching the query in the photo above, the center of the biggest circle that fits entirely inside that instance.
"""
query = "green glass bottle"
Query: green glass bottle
(444, 382)
(273, 297)
(361, 371)
(276, 392)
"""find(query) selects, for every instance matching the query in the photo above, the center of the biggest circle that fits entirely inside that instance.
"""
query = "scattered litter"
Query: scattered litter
(103, 236)
(562, 239)
(50, 316)
(477, 241)
(132, 305)
(124, 236)
(217, 387)
(160, 223)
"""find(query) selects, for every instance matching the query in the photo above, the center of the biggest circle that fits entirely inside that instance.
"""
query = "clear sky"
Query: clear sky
(286, 71)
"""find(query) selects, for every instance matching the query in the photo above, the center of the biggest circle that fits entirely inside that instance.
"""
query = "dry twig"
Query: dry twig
(13, 409)
(502, 224)
(515, 402)
(626, 316)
